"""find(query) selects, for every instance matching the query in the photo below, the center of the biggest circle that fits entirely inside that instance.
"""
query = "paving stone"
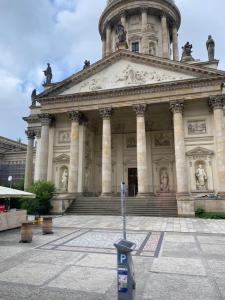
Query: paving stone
(181, 238)
(217, 268)
(203, 239)
(213, 249)
(178, 266)
(180, 249)
(99, 261)
(85, 279)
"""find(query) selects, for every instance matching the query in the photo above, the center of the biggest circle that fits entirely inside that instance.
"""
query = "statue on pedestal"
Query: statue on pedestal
(65, 180)
(121, 33)
(201, 178)
(33, 97)
(187, 50)
(87, 64)
(48, 74)
(210, 45)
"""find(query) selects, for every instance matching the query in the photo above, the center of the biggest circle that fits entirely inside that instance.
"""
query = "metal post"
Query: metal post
(123, 208)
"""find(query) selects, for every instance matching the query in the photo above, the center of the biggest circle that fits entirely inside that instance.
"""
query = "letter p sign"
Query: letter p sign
(122, 259)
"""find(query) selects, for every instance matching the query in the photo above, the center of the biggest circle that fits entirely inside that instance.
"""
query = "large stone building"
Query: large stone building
(139, 115)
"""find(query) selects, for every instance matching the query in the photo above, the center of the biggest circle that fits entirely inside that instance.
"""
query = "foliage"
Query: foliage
(42, 203)
(201, 213)
(18, 185)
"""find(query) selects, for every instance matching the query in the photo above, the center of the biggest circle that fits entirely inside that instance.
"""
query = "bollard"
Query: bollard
(47, 225)
(26, 232)
(125, 270)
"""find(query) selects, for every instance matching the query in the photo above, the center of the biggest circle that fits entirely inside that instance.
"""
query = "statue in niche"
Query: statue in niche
(65, 180)
(210, 45)
(152, 50)
(201, 178)
(121, 33)
(48, 74)
(164, 181)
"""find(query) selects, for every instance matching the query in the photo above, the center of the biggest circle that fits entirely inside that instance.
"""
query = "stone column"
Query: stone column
(37, 155)
(124, 20)
(106, 152)
(108, 39)
(50, 152)
(144, 24)
(82, 142)
(175, 44)
(165, 48)
(74, 152)
(119, 161)
(142, 164)
(217, 103)
(44, 146)
(181, 167)
(29, 159)
(103, 47)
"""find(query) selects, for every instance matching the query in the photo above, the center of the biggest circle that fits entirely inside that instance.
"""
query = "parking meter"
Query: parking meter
(125, 270)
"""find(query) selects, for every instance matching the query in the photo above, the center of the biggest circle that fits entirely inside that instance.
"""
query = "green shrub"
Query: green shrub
(42, 203)
(199, 212)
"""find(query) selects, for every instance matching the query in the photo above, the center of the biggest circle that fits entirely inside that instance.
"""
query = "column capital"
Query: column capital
(75, 116)
(140, 109)
(106, 112)
(45, 119)
(37, 132)
(163, 15)
(30, 134)
(177, 106)
(144, 9)
(123, 14)
(216, 102)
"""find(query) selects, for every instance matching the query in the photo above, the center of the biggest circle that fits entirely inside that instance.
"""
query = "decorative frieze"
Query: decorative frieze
(106, 112)
(196, 127)
(177, 106)
(140, 109)
(217, 102)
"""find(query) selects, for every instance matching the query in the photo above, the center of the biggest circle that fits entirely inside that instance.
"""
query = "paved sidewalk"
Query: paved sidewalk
(174, 259)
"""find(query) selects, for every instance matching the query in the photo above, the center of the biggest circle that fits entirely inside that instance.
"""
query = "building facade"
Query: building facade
(139, 115)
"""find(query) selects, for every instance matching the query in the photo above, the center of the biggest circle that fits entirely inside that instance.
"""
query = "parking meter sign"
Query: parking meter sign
(122, 259)
(122, 280)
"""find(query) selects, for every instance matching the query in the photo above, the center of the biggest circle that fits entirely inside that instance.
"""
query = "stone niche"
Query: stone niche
(200, 161)
(61, 167)
(164, 174)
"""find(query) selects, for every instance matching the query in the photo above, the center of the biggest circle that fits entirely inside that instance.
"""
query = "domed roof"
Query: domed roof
(111, 1)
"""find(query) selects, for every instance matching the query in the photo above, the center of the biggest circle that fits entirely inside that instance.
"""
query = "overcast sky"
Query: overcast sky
(65, 33)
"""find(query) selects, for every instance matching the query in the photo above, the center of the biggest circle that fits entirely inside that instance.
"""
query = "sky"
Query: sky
(65, 33)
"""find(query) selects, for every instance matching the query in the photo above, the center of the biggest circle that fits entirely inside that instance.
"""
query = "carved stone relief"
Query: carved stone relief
(163, 140)
(197, 127)
(131, 141)
(64, 137)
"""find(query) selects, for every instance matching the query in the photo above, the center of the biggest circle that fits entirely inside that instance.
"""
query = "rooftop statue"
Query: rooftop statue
(121, 33)
(187, 50)
(33, 97)
(48, 74)
(87, 64)
(210, 45)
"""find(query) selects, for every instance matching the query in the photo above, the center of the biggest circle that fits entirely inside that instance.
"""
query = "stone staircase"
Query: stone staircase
(161, 205)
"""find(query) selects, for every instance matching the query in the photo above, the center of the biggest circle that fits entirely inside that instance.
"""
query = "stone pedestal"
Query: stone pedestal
(181, 168)
(74, 152)
(216, 104)
(44, 147)
(142, 164)
(122, 46)
(185, 206)
(29, 160)
(106, 152)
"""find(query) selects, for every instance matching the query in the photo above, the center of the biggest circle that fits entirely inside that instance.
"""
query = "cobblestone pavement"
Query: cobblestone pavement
(174, 259)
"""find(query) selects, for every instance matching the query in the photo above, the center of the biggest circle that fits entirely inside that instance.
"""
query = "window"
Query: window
(135, 47)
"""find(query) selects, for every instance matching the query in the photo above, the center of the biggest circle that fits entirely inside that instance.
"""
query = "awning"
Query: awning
(12, 193)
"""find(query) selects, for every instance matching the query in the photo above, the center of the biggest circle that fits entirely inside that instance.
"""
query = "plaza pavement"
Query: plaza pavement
(175, 258)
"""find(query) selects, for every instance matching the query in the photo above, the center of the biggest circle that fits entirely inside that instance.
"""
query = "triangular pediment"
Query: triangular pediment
(62, 158)
(124, 69)
(200, 152)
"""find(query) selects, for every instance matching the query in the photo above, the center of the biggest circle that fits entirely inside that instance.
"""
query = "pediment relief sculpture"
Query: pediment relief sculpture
(63, 158)
(199, 152)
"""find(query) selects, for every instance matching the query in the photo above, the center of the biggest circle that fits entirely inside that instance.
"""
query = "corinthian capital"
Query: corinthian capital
(216, 102)
(140, 109)
(75, 116)
(177, 106)
(30, 133)
(45, 119)
(106, 112)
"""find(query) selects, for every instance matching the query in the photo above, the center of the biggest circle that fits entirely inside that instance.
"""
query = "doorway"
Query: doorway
(132, 182)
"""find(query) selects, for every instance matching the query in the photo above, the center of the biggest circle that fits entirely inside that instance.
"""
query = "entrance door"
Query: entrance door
(132, 182)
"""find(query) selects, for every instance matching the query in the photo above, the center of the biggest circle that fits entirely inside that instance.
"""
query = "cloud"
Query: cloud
(65, 33)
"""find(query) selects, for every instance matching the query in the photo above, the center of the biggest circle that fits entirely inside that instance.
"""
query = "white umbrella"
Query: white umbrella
(12, 193)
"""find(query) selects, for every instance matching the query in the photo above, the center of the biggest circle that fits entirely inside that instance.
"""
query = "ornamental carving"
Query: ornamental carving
(37, 132)
(177, 106)
(163, 140)
(64, 137)
(106, 112)
(140, 109)
(200, 153)
(75, 115)
(217, 102)
(197, 127)
(45, 119)
(30, 134)
(131, 141)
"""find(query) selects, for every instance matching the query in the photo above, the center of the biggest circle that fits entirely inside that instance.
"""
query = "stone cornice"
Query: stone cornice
(134, 90)
(31, 119)
(167, 64)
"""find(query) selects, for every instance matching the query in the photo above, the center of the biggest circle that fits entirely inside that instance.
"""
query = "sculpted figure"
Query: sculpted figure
(121, 33)
(187, 49)
(87, 64)
(210, 45)
(164, 182)
(33, 97)
(201, 178)
(48, 74)
(65, 180)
